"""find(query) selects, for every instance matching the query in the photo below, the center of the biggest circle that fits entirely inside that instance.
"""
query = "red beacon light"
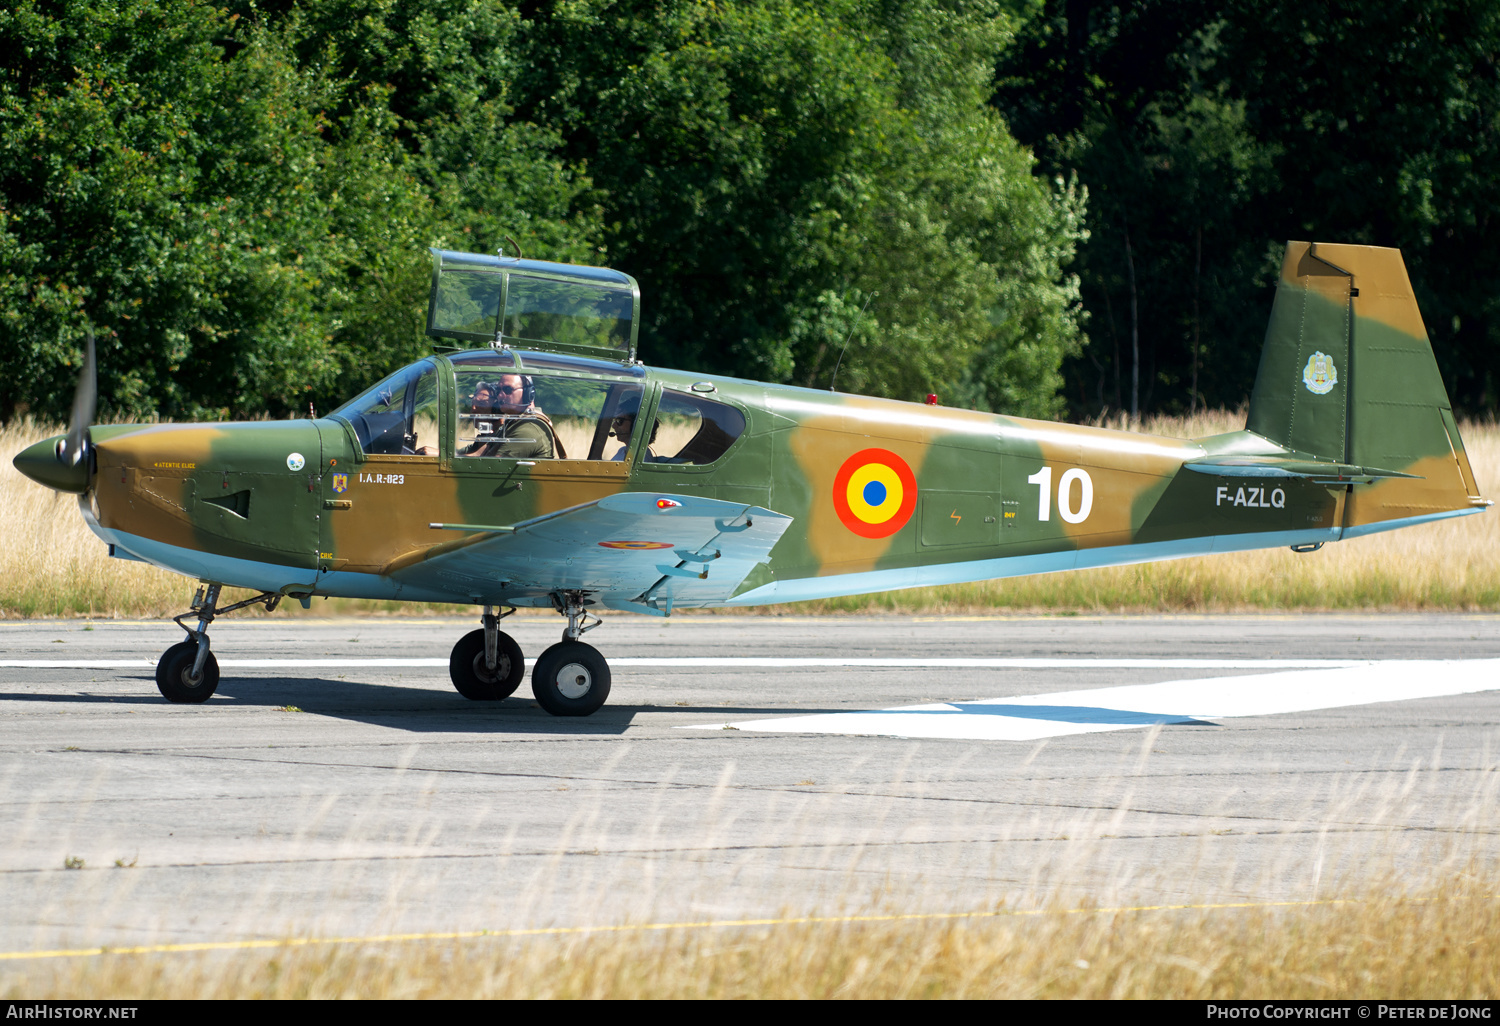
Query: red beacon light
(931, 399)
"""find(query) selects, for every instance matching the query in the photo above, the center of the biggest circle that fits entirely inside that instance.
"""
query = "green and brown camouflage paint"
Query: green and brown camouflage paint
(1347, 386)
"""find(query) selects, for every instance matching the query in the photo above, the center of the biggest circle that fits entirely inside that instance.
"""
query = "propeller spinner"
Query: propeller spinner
(62, 462)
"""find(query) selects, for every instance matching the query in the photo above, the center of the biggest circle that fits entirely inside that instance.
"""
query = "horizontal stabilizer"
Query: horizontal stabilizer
(1279, 466)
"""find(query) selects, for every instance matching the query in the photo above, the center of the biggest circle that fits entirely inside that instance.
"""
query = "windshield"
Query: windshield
(399, 415)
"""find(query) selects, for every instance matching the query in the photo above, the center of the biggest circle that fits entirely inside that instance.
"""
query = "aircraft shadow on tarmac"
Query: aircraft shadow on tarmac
(423, 710)
(75, 698)
(439, 710)
(387, 705)
(430, 710)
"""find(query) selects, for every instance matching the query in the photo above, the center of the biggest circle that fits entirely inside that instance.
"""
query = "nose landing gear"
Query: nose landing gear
(188, 672)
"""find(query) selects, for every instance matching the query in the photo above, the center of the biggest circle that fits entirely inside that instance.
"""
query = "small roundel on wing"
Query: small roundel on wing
(874, 493)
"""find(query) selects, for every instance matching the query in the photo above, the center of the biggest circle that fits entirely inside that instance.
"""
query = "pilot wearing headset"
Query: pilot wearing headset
(520, 431)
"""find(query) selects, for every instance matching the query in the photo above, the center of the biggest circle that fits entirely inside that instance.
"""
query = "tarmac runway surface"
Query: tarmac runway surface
(745, 767)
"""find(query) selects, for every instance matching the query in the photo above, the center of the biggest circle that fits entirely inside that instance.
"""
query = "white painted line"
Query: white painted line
(375, 662)
(997, 663)
(749, 662)
(1032, 717)
(137, 664)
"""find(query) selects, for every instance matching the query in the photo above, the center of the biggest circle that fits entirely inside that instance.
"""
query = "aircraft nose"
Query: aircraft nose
(41, 463)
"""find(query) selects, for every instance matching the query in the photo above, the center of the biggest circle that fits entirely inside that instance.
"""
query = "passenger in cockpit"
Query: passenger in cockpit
(624, 424)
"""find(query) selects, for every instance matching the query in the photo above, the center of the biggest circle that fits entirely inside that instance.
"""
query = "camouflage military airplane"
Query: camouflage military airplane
(535, 462)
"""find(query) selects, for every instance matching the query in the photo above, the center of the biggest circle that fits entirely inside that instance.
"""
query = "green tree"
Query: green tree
(1131, 97)
(1209, 135)
(185, 205)
(1386, 126)
(240, 200)
(244, 222)
(767, 168)
(441, 72)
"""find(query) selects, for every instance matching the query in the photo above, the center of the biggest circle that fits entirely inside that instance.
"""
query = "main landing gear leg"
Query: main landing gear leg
(487, 665)
(571, 678)
(188, 671)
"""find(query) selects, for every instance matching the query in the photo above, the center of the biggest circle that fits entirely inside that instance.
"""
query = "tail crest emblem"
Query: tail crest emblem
(1320, 375)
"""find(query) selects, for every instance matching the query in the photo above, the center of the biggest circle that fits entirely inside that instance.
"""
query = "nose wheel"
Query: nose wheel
(177, 680)
(188, 672)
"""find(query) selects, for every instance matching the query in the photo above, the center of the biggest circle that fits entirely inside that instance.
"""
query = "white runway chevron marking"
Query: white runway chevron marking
(1032, 717)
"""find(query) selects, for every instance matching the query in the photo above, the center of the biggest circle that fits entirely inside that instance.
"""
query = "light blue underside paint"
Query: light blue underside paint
(808, 588)
(244, 573)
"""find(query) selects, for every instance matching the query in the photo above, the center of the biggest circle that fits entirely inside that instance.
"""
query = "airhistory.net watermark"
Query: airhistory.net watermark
(61, 1010)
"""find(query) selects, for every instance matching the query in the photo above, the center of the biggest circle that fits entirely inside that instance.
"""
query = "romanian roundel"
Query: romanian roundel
(874, 493)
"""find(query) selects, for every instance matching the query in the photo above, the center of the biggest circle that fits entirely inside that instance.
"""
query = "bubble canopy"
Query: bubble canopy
(533, 304)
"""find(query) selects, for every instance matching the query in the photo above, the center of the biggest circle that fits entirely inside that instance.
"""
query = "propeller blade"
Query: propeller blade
(85, 401)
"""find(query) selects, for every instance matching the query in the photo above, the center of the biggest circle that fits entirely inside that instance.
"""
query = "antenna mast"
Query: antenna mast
(847, 337)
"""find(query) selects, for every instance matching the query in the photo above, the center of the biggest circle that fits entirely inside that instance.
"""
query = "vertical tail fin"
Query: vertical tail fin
(1347, 374)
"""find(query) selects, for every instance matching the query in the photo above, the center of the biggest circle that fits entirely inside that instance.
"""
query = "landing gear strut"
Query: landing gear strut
(571, 678)
(487, 665)
(188, 671)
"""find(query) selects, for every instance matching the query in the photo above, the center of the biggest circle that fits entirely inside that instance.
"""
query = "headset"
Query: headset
(528, 393)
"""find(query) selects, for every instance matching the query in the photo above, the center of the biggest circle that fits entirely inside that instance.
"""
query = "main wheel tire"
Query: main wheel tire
(570, 679)
(476, 681)
(174, 674)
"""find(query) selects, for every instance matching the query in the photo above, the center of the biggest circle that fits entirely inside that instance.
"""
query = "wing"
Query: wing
(639, 551)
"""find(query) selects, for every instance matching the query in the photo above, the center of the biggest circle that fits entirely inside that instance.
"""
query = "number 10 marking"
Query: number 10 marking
(1065, 509)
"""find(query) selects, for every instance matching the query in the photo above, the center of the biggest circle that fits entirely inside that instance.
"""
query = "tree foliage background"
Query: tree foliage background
(1031, 206)
(1210, 133)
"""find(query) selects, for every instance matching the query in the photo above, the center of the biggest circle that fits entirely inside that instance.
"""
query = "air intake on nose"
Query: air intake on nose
(237, 503)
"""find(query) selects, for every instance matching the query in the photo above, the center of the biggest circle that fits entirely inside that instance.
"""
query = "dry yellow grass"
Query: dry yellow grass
(51, 565)
(1440, 943)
